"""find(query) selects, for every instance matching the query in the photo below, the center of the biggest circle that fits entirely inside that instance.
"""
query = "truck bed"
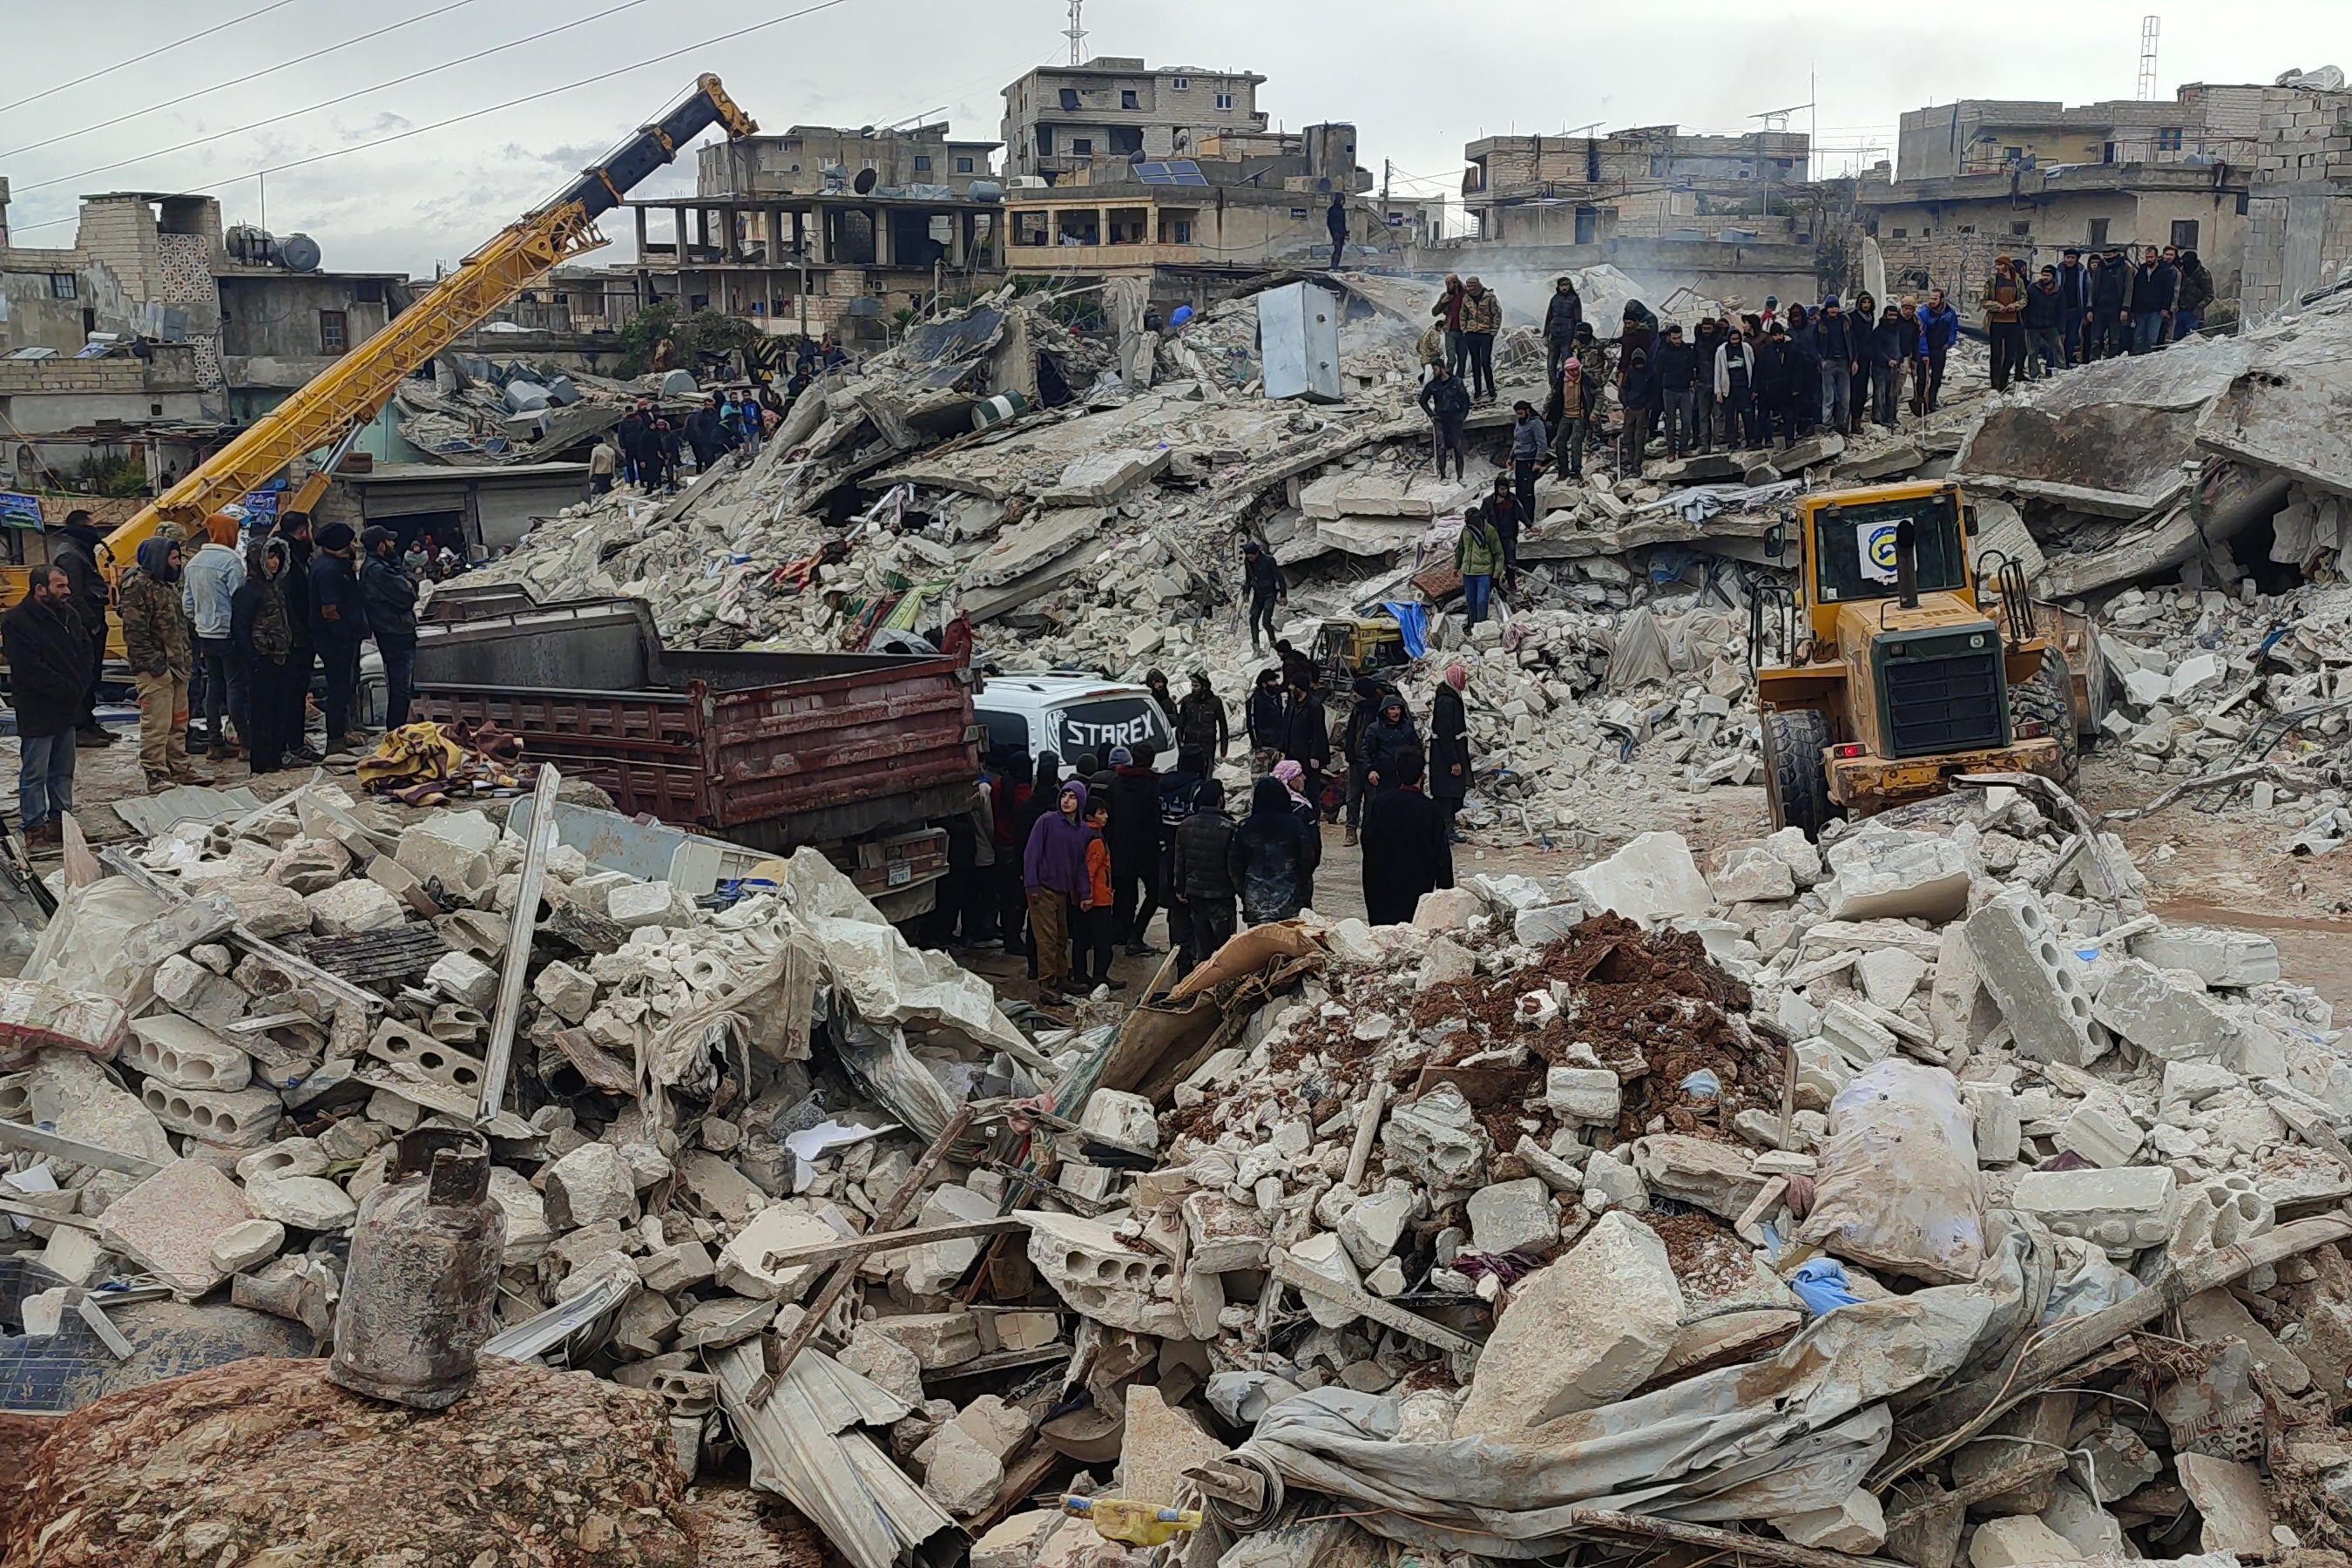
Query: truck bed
(773, 750)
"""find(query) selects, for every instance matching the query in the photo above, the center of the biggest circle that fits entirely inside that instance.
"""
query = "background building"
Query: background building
(808, 160)
(1650, 182)
(1058, 119)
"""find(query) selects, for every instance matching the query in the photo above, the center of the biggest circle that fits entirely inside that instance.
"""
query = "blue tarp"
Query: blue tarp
(1413, 619)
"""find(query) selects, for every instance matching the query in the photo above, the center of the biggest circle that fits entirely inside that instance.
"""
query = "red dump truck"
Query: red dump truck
(860, 754)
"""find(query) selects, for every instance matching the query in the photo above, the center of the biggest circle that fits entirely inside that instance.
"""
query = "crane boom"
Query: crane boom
(354, 389)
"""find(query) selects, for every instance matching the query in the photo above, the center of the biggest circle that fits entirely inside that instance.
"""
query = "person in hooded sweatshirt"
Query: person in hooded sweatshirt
(1388, 736)
(389, 596)
(1203, 871)
(1029, 804)
(1133, 841)
(261, 634)
(49, 664)
(338, 627)
(1269, 721)
(1054, 870)
(1293, 780)
(155, 636)
(1408, 847)
(207, 583)
(1449, 744)
(1367, 691)
(1273, 856)
(294, 527)
(78, 555)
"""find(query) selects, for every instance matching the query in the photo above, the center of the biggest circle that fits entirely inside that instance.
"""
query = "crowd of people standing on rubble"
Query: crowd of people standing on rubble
(1068, 865)
(653, 447)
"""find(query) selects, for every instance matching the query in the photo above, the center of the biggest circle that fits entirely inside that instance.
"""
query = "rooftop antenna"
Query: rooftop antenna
(2149, 29)
(1077, 31)
(1778, 119)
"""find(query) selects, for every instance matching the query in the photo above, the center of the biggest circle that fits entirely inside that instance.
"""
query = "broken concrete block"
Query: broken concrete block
(633, 905)
(1014, 1541)
(1889, 977)
(2000, 1135)
(1857, 1526)
(2216, 1315)
(2164, 1017)
(1159, 1445)
(168, 1223)
(1886, 874)
(566, 992)
(1375, 1222)
(188, 987)
(1444, 961)
(1718, 1177)
(310, 865)
(939, 1340)
(1612, 1184)
(1749, 875)
(238, 1120)
(2230, 1500)
(1546, 923)
(266, 908)
(1651, 880)
(2220, 958)
(742, 1262)
(356, 905)
(1222, 1235)
(76, 1257)
(963, 1477)
(463, 875)
(2101, 1130)
(2112, 1462)
(1580, 1332)
(590, 1183)
(1325, 1255)
(719, 1189)
(462, 977)
(302, 1203)
(2121, 1211)
(1514, 1217)
(884, 1362)
(1591, 1095)
(2016, 1540)
(2221, 1211)
(1085, 1263)
(185, 1054)
(2036, 982)
(1446, 909)
(1439, 1138)
(528, 1232)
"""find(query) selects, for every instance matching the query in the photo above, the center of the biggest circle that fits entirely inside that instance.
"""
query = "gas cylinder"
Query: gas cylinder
(424, 1272)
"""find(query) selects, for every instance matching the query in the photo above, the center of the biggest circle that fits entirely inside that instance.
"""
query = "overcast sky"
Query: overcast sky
(1418, 79)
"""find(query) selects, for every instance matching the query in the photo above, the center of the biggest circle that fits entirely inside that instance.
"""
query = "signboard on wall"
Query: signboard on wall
(19, 511)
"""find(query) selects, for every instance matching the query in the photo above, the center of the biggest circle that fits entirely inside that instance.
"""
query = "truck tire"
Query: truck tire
(2048, 698)
(1796, 776)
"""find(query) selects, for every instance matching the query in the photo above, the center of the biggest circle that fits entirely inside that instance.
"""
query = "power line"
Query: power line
(150, 54)
(492, 109)
(233, 81)
(330, 103)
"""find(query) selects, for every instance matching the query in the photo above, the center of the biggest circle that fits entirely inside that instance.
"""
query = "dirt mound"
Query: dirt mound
(266, 1464)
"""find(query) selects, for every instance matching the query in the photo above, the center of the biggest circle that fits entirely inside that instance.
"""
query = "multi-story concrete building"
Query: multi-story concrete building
(1650, 181)
(2299, 214)
(2201, 122)
(1059, 118)
(810, 160)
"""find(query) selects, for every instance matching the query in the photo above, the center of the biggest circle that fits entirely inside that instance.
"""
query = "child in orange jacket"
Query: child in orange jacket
(1092, 930)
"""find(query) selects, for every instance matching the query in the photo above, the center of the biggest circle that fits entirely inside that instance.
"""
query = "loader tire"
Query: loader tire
(2048, 698)
(1795, 775)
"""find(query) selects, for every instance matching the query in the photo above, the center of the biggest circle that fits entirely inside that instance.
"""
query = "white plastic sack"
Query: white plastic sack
(1898, 1186)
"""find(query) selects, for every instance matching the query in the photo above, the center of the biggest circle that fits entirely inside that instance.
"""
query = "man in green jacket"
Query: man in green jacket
(1478, 555)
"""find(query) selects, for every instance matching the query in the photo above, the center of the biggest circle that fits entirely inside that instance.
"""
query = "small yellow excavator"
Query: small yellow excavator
(326, 414)
(1887, 668)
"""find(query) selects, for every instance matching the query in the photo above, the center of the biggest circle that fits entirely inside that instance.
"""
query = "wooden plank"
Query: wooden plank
(865, 1246)
(522, 924)
(1366, 1305)
(17, 1135)
(1722, 1543)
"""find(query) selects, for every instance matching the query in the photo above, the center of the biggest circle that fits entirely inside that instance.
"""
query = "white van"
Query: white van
(1033, 712)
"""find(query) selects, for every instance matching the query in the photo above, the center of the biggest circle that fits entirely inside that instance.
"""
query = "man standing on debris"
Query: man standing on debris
(1093, 933)
(1334, 222)
(79, 556)
(262, 633)
(1271, 857)
(1262, 577)
(2196, 292)
(1448, 313)
(1569, 415)
(1203, 871)
(2073, 302)
(1448, 403)
(1735, 383)
(1156, 683)
(48, 655)
(338, 627)
(1054, 870)
(1449, 745)
(1639, 394)
(1431, 351)
(1134, 838)
(1529, 441)
(1861, 320)
(1269, 723)
(1676, 369)
(294, 723)
(1297, 669)
(1503, 510)
(1202, 728)
(1306, 738)
(2046, 330)
(1706, 339)
(2004, 310)
(2111, 291)
(155, 636)
(2153, 287)
(1885, 366)
(1563, 313)
(1939, 328)
(390, 598)
(1478, 556)
(1482, 318)
(1408, 846)
(702, 434)
(1775, 381)
(209, 581)
(631, 435)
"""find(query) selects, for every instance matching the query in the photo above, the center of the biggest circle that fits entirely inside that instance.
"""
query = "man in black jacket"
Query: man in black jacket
(2195, 294)
(79, 556)
(1448, 403)
(1204, 875)
(2110, 326)
(2153, 287)
(1408, 846)
(1834, 339)
(2045, 332)
(1334, 222)
(1134, 846)
(338, 625)
(1563, 313)
(2073, 303)
(48, 655)
(294, 722)
(1676, 368)
(1307, 737)
(1270, 722)
(1203, 729)
(389, 596)
(1262, 576)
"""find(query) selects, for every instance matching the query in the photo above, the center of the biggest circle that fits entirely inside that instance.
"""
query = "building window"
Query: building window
(2012, 154)
(1180, 83)
(1180, 230)
(61, 286)
(1967, 228)
(963, 165)
(1127, 99)
(1224, 101)
(1082, 146)
(1898, 234)
(333, 338)
(2184, 234)
(2098, 232)
(2020, 230)
(1069, 101)
(2106, 152)
(922, 163)
(2167, 139)
(1299, 214)
(2242, 203)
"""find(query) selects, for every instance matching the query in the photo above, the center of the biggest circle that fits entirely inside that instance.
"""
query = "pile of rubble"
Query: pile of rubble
(1825, 1192)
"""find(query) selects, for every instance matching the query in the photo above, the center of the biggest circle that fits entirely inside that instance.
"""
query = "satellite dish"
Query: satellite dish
(864, 183)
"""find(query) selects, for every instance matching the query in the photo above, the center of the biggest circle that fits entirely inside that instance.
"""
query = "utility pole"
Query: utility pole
(1386, 166)
(2149, 29)
(1077, 31)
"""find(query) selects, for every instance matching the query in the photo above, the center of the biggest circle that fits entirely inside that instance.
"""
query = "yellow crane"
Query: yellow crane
(334, 405)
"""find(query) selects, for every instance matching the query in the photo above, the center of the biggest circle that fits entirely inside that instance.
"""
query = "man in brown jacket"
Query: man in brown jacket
(156, 636)
(1482, 318)
(2004, 308)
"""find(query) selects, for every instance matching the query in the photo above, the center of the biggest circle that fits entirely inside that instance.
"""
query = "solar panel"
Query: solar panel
(1154, 175)
(1187, 173)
